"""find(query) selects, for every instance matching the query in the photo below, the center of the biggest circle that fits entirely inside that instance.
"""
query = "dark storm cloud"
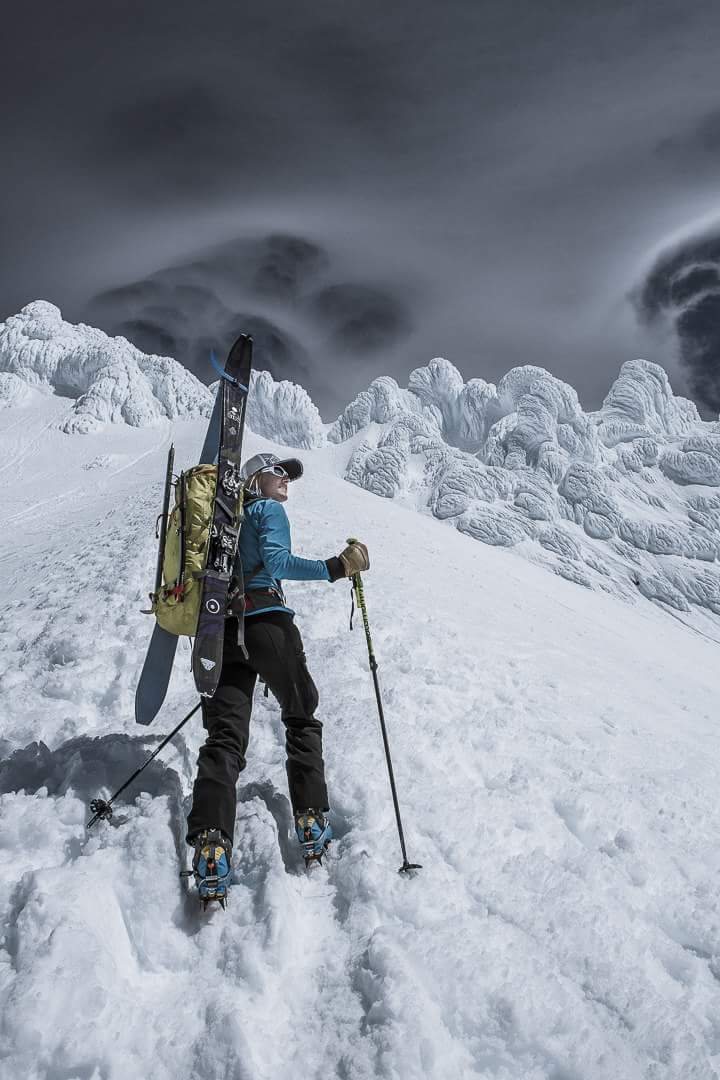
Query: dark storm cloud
(683, 287)
(374, 184)
(186, 141)
(360, 317)
(269, 286)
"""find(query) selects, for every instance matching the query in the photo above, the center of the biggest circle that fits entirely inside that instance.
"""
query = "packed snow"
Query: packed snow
(555, 752)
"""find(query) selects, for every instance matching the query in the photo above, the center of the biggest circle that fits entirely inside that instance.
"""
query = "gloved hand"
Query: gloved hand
(353, 560)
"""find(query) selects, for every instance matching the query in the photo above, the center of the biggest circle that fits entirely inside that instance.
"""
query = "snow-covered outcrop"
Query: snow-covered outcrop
(641, 403)
(110, 380)
(13, 389)
(604, 499)
(463, 411)
(382, 402)
(283, 412)
(695, 461)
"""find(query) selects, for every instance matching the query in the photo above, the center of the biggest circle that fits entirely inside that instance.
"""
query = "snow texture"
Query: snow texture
(555, 753)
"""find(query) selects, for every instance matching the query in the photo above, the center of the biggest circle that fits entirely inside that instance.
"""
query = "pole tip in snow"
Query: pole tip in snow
(410, 868)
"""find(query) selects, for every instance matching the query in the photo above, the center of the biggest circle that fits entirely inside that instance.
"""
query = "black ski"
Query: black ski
(227, 518)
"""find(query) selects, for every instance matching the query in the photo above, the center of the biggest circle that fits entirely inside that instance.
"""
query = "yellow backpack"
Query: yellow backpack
(183, 554)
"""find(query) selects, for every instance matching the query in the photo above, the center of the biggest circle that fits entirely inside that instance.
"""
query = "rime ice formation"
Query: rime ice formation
(13, 389)
(382, 402)
(110, 380)
(625, 500)
(641, 403)
(283, 412)
(620, 500)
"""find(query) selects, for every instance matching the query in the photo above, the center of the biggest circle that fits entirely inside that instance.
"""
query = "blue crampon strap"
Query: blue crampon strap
(223, 374)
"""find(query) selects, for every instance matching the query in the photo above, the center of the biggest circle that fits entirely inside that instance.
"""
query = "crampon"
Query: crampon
(314, 833)
(211, 867)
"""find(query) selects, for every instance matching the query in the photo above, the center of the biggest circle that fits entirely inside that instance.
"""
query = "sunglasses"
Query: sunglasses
(275, 470)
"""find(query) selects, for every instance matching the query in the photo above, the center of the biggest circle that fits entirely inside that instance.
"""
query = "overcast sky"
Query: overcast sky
(367, 185)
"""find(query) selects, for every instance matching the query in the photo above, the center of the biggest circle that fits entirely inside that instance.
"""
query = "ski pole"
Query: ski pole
(164, 520)
(102, 808)
(360, 595)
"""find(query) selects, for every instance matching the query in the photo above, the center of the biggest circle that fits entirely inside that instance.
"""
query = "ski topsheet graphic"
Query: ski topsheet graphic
(157, 668)
(227, 519)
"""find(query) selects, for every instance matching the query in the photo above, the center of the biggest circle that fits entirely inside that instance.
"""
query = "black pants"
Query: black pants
(275, 651)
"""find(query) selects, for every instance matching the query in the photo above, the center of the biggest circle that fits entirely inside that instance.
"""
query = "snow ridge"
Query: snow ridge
(615, 500)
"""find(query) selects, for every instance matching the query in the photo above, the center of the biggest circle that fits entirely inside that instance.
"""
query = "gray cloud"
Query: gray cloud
(372, 185)
(274, 287)
(701, 140)
(683, 288)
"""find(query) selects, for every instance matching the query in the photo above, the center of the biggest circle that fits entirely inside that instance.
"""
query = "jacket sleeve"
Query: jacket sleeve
(275, 549)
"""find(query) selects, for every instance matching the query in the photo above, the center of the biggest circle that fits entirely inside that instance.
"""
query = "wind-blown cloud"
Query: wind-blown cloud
(281, 288)
(683, 287)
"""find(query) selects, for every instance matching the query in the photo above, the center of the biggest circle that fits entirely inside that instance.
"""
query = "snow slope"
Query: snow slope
(555, 753)
(625, 500)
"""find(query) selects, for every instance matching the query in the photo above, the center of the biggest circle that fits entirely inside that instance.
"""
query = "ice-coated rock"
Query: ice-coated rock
(696, 461)
(110, 380)
(382, 402)
(641, 403)
(515, 384)
(537, 461)
(560, 541)
(283, 412)
(13, 389)
(585, 485)
(599, 526)
(460, 480)
(534, 494)
(550, 427)
(464, 411)
(638, 454)
(499, 527)
(382, 469)
(700, 587)
(657, 587)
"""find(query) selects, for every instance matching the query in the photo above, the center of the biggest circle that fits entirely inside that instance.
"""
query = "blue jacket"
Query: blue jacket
(265, 539)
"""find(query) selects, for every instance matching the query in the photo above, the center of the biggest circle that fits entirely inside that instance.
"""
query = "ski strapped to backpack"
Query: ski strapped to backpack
(199, 537)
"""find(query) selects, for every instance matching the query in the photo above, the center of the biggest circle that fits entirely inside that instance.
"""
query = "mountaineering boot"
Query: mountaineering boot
(211, 866)
(314, 833)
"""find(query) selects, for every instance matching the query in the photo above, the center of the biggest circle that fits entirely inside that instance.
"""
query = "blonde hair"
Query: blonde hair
(252, 484)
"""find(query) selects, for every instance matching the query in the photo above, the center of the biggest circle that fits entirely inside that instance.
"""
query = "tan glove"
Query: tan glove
(355, 558)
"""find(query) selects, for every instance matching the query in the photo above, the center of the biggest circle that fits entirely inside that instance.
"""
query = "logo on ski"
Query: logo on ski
(212, 606)
(207, 664)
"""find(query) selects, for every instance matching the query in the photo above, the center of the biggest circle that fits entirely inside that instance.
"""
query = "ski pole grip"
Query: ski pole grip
(356, 579)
